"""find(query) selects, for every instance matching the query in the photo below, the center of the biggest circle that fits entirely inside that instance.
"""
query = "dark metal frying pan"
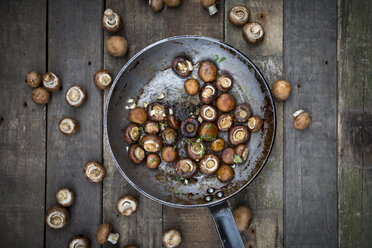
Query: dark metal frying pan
(148, 74)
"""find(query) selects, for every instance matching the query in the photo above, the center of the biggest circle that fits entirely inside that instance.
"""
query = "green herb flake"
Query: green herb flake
(237, 159)
(175, 190)
(180, 179)
(139, 129)
(217, 58)
(222, 59)
(209, 125)
(152, 161)
(174, 148)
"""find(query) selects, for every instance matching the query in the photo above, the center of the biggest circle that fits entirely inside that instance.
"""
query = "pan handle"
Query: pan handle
(226, 227)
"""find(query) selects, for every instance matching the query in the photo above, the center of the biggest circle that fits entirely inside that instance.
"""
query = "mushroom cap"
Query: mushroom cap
(79, 241)
(243, 218)
(136, 153)
(68, 125)
(209, 164)
(253, 32)
(127, 205)
(156, 5)
(192, 86)
(281, 90)
(157, 111)
(51, 82)
(65, 197)
(116, 46)
(102, 233)
(40, 96)
(103, 79)
(186, 168)
(207, 71)
(225, 102)
(94, 172)
(75, 95)
(153, 160)
(56, 217)
(239, 15)
(172, 3)
(302, 119)
(171, 238)
(254, 124)
(138, 115)
(33, 79)
(225, 173)
(239, 135)
(117, 22)
(151, 143)
(131, 133)
(207, 3)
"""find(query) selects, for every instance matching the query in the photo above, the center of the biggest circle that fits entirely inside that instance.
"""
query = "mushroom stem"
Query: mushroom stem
(295, 114)
(256, 29)
(212, 9)
(113, 238)
(110, 16)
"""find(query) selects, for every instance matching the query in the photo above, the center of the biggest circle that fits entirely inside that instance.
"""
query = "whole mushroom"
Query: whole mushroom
(127, 205)
(195, 149)
(56, 217)
(102, 79)
(242, 112)
(224, 122)
(210, 5)
(208, 131)
(238, 135)
(153, 160)
(208, 113)
(151, 143)
(281, 90)
(94, 172)
(138, 115)
(79, 241)
(51, 82)
(207, 71)
(116, 46)
(169, 136)
(104, 234)
(65, 197)
(157, 111)
(224, 83)
(182, 66)
(68, 125)
(301, 120)
(171, 238)
(254, 124)
(189, 127)
(192, 86)
(239, 15)
(151, 127)
(242, 151)
(111, 21)
(131, 133)
(253, 32)
(225, 173)
(156, 5)
(33, 79)
(169, 154)
(209, 164)
(173, 121)
(228, 155)
(225, 102)
(243, 218)
(40, 96)
(136, 154)
(172, 3)
(75, 96)
(186, 168)
(217, 145)
(207, 93)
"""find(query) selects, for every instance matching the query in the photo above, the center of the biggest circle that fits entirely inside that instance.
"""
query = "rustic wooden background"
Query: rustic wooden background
(316, 189)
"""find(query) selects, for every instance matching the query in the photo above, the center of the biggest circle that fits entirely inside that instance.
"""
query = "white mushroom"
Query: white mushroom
(171, 238)
(51, 82)
(94, 172)
(75, 96)
(56, 217)
(111, 21)
(68, 125)
(102, 79)
(65, 197)
(127, 205)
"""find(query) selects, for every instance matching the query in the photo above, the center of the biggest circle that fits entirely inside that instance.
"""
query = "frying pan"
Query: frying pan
(148, 74)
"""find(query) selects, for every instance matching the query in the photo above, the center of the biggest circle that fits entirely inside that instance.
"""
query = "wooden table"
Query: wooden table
(316, 189)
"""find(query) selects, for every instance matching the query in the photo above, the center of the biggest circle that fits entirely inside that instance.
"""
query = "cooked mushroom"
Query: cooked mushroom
(79, 241)
(138, 115)
(224, 83)
(56, 217)
(156, 5)
(173, 121)
(301, 120)
(75, 96)
(189, 127)
(208, 131)
(242, 112)
(104, 234)
(254, 124)
(169, 136)
(157, 111)
(210, 5)
(209, 164)
(217, 145)
(151, 127)
(225, 102)
(195, 149)
(68, 125)
(127, 205)
(153, 160)
(40, 96)
(207, 71)
(169, 154)
(102, 79)
(151, 143)
(224, 122)
(111, 21)
(239, 135)
(132, 133)
(208, 113)
(186, 168)
(281, 90)
(242, 151)
(51, 82)
(116, 46)
(171, 238)
(192, 86)
(228, 155)
(65, 197)
(182, 66)
(136, 154)
(208, 93)
(243, 218)
(33, 79)
(225, 173)
(253, 32)
(239, 15)
(94, 172)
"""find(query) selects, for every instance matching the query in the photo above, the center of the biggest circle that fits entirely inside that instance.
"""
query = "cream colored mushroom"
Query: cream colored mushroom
(127, 205)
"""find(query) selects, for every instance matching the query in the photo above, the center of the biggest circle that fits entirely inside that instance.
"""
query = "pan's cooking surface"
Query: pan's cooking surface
(147, 75)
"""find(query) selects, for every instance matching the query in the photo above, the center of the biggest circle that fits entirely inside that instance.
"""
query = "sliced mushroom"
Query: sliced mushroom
(68, 125)
(192, 86)
(208, 93)
(254, 124)
(182, 66)
(239, 135)
(217, 145)
(225, 102)
(189, 127)
(127, 205)
(138, 115)
(94, 172)
(172, 3)
(33, 79)
(156, 5)
(111, 21)
(224, 122)
(210, 5)
(207, 71)
(239, 15)
(169, 136)
(208, 131)
(132, 133)
(116, 46)
(242, 151)
(224, 83)
(281, 90)
(195, 149)
(51, 82)
(171, 238)
(173, 121)
(157, 111)
(65, 197)
(153, 160)
(104, 234)
(186, 168)
(243, 218)
(228, 155)
(209, 164)
(301, 120)
(136, 154)
(56, 217)
(151, 143)
(151, 127)
(75, 96)
(40, 96)
(242, 112)
(169, 154)
(208, 113)
(79, 241)
(225, 173)
(102, 79)
(253, 32)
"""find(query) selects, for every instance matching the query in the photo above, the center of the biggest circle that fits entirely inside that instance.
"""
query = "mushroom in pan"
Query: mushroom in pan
(173, 121)
(209, 164)
(51, 82)
(169, 154)
(171, 238)
(156, 5)
(131, 246)
(40, 96)
(186, 168)
(195, 149)
(208, 93)
(228, 155)
(210, 5)
(104, 234)
(239, 135)
(239, 15)
(242, 151)
(172, 3)
(189, 127)
(224, 83)
(157, 111)
(225, 102)
(207, 71)
(153, 160)
(65, 197)
(33, 79)
(191, 86)
(56, 217)
(254, 124)
(242, 112)
(208, 113)
(208, 131)
(79, 241)
(169, 136)
(136, 154)
(111, 21)
(253, 32)
(281, 90)
(127, 205)
(182, 66)
(225, 173)
(243, 218)
(151, 127)
(217, 145)
(75, 96)
(138, 115)
(132, 133)
(94, 172)
(224, 122)
(102, 79)
(301, 120)
(68, 125)
(151, 143)
(116, 46)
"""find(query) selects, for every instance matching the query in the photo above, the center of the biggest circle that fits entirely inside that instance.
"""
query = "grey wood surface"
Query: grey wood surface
(310, 155)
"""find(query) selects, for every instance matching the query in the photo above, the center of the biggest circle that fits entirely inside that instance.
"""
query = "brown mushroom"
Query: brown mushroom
(65, 197)
(102, 79)
(33, 79)
(301, 120)
(281, 90)
(157, 111)
(243, 218)
(208, 113)
(210, 5)
(111, 21)
(189, 127)
(79, 241)
(56, 217)
(68, 125)
(116, 46)
(253, 32)
(171, 238)
(195, 149)
(132, 133)
(208, 131)
(207, 71)
(138, 115)
(169, 136)
(254, 124)
(242, 112)
(104, 234)
(182, 66)
(94, 172)
(217, 145)
(239, 135)
(156, 5)
(186, 168)
(169, 154)
(239, 15)
(225, 102)
(51, 82)
(172, 3)
(225, 173)
(173, 121)
(228, 155)
(224, 122)
(208, 93)
(131, 246)
(40, 96)
(127, 205)
(242, 151)
(209, 164)
(224, 83)
(192, 86)
(75, 96)
(136, 154)
(151, 127)
(151, 143)
(153, 160)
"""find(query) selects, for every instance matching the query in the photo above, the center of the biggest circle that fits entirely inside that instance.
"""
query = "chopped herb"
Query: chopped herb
(207, 137)
(180, 179)
(188, 141)
(209, 125)
(194, 76)
(217, 58)
(222, 59)
(174, 147)
(237, 159)
(202, 153)
(175, 191)
(152, 161)
(139, 129)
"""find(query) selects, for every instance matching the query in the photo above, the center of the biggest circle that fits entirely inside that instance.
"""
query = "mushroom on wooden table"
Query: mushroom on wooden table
(111, 21)
(68, 125)
(56, 217)
(94, 172)
(243, 218)
(51, 82)
(253, 32)
(127, 205)
(79, 241)
(171, 238)
(40, 96)
(210, 5)
(102, 79)
(65, 197)
(75, 96)
(239, 15)
(33, 79)
(104, 234)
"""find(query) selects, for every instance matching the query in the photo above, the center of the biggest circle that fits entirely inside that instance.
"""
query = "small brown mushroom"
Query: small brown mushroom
(102, 79)
(111, 21)
(169, 136)
(254, 124)
(65, 197)
(169, 154)
(225, 173)
(75, 96)
(132, 133)
(208, 113)
(281, 90)
(195, 149)
(116, 46)
(189, 127)
(228, 155)
(210, 5)
(79, 241)
(224, 122)
(153, 160)
(127, 205)
(242, 151)
(242, 112)
(156, 5)
(56, 217)
(225, 102)
(253, 32)
(136, 154)
(131, 246)
(171, 238)
(182, 66)
(239, 135)
(207, 71)
(224, 83)
(138, 115)
(104, 234)
(209, 164)
(217, 145)
(40, 96)
(173, 121)
(33, 79)
(208, 93)
(51, 82)
(192, 86)
(68, 125)
(239, 15)
(243, 218)
(208, 131)
(151, 127)
(172, 3)
(94, 172)
(186, 168)
(301, 120)
(157, 111)
(151, 143)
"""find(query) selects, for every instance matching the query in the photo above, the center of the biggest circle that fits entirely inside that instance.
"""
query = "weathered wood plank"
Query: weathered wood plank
(74, 53)
(310, 157)
(264, 195)
(354, 124)
(22, 125)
